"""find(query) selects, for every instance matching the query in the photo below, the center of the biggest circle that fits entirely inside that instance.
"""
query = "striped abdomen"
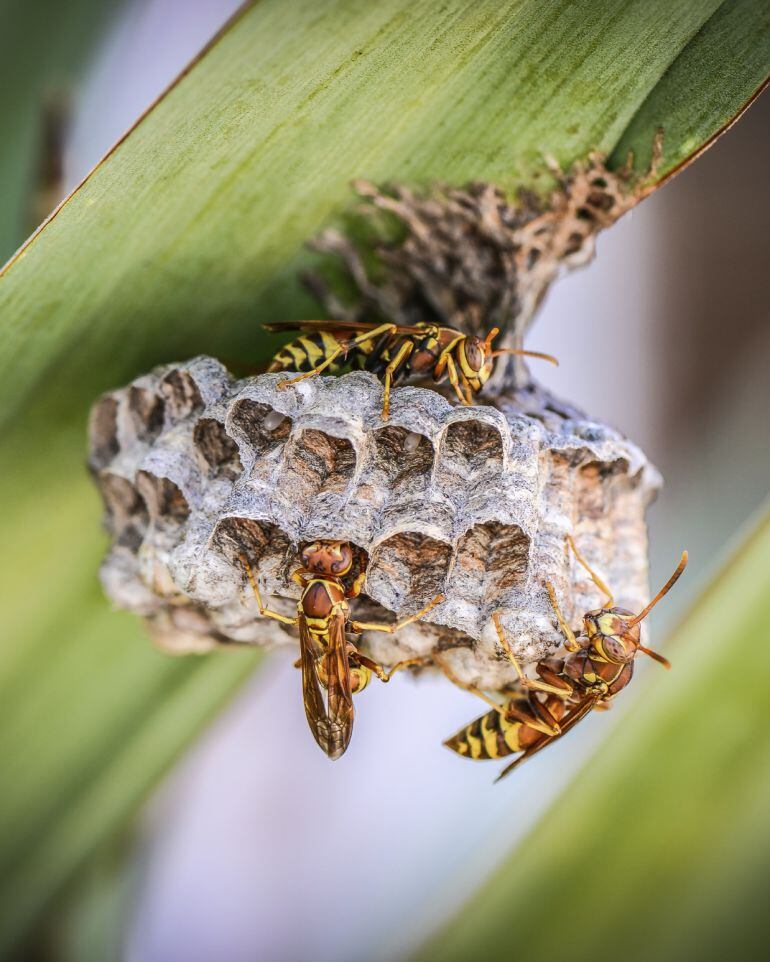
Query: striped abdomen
(495, 735)
(311, 349)
(491, 736)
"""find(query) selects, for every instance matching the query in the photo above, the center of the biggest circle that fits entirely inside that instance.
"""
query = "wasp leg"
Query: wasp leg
(472, 689)
(571, 642)
(386, 674)
(299, 578)
(265, 612)
(453, 380)
(457, 379)
(545, 715)
(357, 587)
(562, 688)
(359, 626)
(558, 685)
(403, 353)
(343, 348)
(593, 575)
(533, 719)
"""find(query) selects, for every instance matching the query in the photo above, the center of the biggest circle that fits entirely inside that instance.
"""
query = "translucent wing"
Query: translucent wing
(276, 327)
(332, 726)
(569, 721)
(339, 694)
(315, 709)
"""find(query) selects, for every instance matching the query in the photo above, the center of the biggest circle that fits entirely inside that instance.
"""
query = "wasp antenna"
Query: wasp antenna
(490, 337)
(520, 351)
(663, 591)
(653, 654)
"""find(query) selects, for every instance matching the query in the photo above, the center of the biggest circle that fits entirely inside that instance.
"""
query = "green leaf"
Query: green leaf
(649, 853)
(721, 71)
(188, 235)
(42, 45)
(192, 230)
(90, 714)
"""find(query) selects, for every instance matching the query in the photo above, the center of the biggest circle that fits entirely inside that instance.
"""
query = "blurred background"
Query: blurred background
(238, 855)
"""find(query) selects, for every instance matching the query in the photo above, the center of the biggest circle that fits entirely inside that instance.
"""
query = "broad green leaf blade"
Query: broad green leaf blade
(661, 848)
(192, 230)
(90, 714)
(722, 69)
(92, 922)
(43, 44)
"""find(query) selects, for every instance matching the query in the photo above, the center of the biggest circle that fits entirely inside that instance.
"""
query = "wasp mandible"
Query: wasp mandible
(392, 352)
(599, 664)
(327, 658)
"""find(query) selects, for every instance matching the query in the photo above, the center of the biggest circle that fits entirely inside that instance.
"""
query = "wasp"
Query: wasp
(328, 659)
(598, 665)
(392, 352)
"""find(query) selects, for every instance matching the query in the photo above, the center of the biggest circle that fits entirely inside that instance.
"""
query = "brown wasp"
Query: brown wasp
(599, 664)
(392, 352)
(327, 658)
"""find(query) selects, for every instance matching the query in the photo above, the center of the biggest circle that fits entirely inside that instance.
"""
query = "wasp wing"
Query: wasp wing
(331, 726)
(569, 721)
(332, 326)
(339, 693)
(315, 708)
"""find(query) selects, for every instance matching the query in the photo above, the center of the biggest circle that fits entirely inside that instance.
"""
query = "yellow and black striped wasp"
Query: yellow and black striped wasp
(327, 658)
(599, 664)
(392, 352)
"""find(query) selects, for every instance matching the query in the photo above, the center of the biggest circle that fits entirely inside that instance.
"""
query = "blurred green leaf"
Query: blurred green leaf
(188, 235)
(90, 714)
(92, 920)
(650, 854)
(43, 46)
(192, 230)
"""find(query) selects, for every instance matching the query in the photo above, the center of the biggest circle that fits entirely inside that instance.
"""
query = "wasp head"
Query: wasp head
(475, 361)
(611, 636)
(331, 558)
(614, 634)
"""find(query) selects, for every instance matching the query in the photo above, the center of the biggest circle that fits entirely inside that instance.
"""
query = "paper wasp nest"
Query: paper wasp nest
(475, 503)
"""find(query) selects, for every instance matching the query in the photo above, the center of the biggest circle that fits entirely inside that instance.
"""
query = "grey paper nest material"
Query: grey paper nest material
(471, 257)
(472, 502)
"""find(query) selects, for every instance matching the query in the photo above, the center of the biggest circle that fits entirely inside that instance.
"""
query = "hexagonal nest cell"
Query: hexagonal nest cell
(197, 468)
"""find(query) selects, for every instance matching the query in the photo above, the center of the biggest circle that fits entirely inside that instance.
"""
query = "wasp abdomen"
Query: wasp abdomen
(498, 734)
(307, 352)
(491, 736)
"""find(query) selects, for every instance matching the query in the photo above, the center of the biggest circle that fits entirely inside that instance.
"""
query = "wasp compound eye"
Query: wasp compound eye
(341, 559)
(614, 648)
(474, 353)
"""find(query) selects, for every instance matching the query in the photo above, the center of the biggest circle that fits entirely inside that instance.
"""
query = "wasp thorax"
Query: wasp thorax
(333, 558)
(472, 503)
(320, 599)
